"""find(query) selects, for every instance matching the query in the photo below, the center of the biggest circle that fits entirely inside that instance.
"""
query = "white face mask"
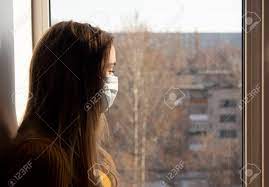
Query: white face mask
(110, 91)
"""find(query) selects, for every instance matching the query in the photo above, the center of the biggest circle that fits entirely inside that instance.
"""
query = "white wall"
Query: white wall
(7, 108)
(15, 54)
(22, 52)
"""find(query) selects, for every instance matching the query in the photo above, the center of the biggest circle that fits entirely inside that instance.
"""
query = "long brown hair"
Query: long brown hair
(67, 70)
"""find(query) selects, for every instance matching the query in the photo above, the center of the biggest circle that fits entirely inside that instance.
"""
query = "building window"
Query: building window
(227, 118)
(196, 147)
(228, 134)
(228, 103)
(197, 133)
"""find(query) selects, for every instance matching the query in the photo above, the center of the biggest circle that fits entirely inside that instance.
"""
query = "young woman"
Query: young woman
(71, 85)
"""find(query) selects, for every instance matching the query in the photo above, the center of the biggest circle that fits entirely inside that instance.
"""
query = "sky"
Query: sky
(158, 15)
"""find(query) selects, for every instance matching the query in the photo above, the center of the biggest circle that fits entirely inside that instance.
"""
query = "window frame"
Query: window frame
(265, 152)
(253, 75)
(40, 19)
(253, 64)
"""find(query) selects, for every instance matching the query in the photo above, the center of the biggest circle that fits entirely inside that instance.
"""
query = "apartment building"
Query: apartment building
(212, 101)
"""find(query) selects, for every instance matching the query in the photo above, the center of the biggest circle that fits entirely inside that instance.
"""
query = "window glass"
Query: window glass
(177, 61)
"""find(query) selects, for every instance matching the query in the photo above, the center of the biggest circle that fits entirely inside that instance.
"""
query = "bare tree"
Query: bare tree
(145, 74)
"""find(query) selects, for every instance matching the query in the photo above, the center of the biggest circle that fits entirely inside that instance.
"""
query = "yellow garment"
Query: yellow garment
(105, 179)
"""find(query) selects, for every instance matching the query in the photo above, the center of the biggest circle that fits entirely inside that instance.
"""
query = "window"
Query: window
(195, 147)
(228, 103)
(173, 67)
(197, 133)
(228, 118)
(198, 109)
(228, 134)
